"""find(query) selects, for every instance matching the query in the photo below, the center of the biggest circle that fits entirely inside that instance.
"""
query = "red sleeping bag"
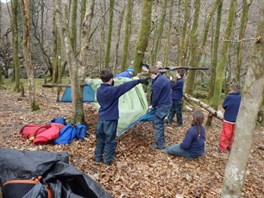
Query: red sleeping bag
(49, 134)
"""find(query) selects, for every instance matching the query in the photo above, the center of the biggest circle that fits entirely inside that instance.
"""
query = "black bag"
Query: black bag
(22, 188)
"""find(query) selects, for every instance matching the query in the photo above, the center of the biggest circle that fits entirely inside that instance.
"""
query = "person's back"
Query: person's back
(107, 97)
(231, 106)
(193, 143)
(126, 74)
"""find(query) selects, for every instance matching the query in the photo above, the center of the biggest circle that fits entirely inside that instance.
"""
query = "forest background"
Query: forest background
(51, 39)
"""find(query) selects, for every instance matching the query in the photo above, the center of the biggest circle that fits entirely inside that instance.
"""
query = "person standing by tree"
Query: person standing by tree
(177, 93)
(161, 101)
(231, 106)
(193, 143)
(107, 96)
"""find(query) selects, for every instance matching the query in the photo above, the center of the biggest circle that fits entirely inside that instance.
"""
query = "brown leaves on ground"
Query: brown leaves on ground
(138, 170)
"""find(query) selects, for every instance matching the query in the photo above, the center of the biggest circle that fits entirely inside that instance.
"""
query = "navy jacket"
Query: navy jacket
(161, 91)
(231, 105)
(191, 144)
(107, 97)
(125, 74)
(177, 89)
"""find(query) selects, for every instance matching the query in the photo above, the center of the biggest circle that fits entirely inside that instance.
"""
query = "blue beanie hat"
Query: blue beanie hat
(130, 70)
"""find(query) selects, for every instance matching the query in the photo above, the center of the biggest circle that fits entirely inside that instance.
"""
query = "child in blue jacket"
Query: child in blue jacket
(231, 106)
(193, 145)
(177, 93)
(107, 97)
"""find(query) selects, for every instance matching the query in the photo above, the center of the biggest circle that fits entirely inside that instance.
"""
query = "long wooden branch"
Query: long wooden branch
(217, 114)
(59, 85)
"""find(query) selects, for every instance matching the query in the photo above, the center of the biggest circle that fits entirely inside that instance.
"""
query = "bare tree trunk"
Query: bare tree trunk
(193, 47)
(77, 67)
(168, 40)
(127, 34)
(242, 29)
(215, 52)
(142, 41)
(27, 54)
(102, 37)
(224, 54)
(109, 35)
(182, 47)
(15, 45)
(83, 10)
(246, 121)
(159, 32)
(121, 18)
(74, 25)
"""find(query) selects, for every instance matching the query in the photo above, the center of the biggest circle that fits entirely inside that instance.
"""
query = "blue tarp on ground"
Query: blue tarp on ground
(88, 94)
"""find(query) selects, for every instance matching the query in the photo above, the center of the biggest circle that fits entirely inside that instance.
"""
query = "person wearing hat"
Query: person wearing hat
(126, 74)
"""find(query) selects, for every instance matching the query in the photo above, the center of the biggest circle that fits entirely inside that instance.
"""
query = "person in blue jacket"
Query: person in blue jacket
(107, 96)
(127, 74)
(177, 93)
(193, 144)
(231, 106)
(161, 101)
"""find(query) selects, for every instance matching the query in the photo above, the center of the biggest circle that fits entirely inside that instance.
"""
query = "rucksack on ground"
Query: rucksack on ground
(26, 188)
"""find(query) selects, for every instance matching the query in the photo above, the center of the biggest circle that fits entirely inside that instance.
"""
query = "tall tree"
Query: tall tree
(77, 67)
(182, 47)
(27, 54)
(83, 10)
(120, 21)
(224, 54)
(128, 22)
(215, 52)
(144, 32)
(235, 171)
(74, 24)
(159, 32)
(15, 45)
(168, 40)
(242, 29)
(214, 59)
(109, 35)
(193, 47)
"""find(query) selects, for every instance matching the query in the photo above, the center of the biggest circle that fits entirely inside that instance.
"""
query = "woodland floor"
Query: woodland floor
(138, 171)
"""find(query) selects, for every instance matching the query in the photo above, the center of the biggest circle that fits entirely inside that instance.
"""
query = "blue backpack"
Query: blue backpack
(70, 132)
(60, 120)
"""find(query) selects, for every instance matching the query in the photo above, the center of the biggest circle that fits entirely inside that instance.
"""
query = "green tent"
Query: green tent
(132, 105)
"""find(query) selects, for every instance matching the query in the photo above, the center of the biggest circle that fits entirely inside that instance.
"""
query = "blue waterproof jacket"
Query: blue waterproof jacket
(231, 105)
(107, 97)
(191, 143)
(177, 89)
(125, 74)
(161, 91)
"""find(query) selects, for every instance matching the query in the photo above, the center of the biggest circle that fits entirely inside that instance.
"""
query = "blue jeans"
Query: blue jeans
(176, 150)
(106, 143)
(158, 124)
(176, 108)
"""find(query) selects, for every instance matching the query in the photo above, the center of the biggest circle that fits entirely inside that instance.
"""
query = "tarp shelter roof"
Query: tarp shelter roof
(133, 105)
(64, 179)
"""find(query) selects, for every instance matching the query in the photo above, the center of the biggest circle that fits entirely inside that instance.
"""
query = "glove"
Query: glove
(143, 81)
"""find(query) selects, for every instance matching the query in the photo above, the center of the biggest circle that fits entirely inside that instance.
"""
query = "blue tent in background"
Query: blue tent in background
(88, 94)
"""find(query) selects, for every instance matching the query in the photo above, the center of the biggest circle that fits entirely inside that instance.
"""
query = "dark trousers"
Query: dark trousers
(176, 108)
(106, 143)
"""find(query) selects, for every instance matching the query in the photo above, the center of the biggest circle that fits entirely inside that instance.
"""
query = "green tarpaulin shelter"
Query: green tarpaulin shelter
(132, 105)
